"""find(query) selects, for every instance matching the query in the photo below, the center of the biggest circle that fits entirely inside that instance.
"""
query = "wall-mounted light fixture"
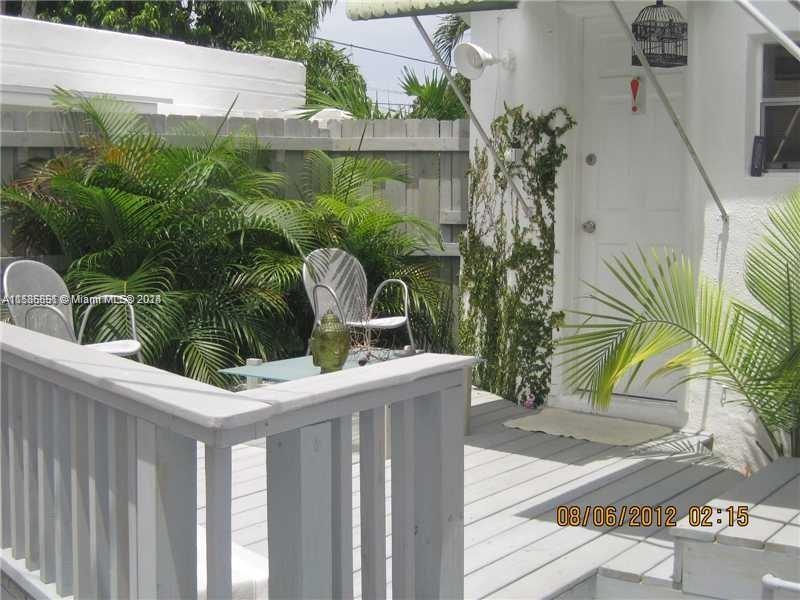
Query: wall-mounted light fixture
(471, 60)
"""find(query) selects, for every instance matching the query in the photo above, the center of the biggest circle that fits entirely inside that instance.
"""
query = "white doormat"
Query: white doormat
(590, 427)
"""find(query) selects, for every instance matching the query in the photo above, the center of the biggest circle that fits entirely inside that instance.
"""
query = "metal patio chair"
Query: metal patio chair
(335, 280)
(27, 279)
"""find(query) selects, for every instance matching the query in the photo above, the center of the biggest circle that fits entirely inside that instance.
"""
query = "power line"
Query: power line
(375, 50)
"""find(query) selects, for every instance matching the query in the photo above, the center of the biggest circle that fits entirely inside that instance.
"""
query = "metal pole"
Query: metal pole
(785, 41)
(671, 111)
(474, 119)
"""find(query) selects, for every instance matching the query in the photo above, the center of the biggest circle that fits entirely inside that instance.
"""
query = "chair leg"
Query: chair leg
(411, 337)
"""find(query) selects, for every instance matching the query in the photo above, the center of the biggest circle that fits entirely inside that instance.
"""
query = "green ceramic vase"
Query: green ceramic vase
(330, 343)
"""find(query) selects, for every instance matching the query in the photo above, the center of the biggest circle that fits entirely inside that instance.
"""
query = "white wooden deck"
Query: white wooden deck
(513, 482)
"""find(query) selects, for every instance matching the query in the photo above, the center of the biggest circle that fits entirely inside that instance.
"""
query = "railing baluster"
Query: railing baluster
(62, 489)
(47, 515)
(83, 577)
(118, 561)
(298, 515)
(98, 497)
(166, 512)
(342, 502)
(218, 523)
(439, 494)
(372, 445)
(5, 464)
(30, 448)
(403, 538)
(133, 518)
(15, 459)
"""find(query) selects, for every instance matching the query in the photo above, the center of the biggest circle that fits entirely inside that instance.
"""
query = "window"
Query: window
(780, 108)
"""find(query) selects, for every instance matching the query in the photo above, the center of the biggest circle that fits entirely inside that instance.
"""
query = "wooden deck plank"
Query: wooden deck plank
(514, 479)
(747, 493)
(766, 518)
(632, 564)
(660, 574)
(513, 555)
(786, 539)
(683, 489)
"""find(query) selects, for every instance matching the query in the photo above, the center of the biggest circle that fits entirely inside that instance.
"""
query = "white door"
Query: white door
(631, 165)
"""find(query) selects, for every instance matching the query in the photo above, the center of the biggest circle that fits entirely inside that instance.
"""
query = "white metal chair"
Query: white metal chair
(344, 284)
(39, 300)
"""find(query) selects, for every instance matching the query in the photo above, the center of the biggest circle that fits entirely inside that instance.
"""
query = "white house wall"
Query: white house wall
(722, 118)
(720, 113)
(158, 75)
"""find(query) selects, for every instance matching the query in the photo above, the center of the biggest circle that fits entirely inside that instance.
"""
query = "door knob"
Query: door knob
(589, 226)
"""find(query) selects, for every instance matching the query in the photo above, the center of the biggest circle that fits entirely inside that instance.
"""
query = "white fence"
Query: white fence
(99, 476)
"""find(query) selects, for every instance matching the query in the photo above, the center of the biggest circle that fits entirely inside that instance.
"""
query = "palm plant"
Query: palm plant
(754, 352)
(348, 95)
(196, 226)
(433, 96)
(200, 227)
(448, 34)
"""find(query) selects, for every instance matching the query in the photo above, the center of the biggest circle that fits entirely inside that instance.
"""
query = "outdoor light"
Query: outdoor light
(662, 33)
(471, 60)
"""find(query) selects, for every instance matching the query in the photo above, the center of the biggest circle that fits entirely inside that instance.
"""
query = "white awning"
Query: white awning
(362, 10)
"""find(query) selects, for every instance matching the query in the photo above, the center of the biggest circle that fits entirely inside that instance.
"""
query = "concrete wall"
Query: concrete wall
(158, 75)
(721, 118)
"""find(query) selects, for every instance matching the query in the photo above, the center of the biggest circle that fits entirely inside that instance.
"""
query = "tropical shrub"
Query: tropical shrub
(753, 351)
(200, 226)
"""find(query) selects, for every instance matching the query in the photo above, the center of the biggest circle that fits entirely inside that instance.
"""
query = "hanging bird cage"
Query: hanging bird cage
(662, 34)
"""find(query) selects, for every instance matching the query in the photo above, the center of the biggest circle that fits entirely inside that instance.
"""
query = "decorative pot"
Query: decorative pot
(330, 343)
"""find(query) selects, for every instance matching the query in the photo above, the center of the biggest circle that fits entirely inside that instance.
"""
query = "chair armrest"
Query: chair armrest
(383, 286)
(109, 299)
(67, 325)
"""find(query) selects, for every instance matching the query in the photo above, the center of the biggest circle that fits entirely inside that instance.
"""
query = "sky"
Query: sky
(398, 35)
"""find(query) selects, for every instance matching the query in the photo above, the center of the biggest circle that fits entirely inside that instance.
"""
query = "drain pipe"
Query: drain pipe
(785, 41)
(671, 111)
(473, 119)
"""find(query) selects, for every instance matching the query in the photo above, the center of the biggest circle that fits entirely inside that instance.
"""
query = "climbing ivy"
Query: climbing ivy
(507, 256)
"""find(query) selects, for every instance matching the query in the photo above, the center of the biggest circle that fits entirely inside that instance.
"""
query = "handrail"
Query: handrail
(99, 469)
(206, 413)
(770, 583)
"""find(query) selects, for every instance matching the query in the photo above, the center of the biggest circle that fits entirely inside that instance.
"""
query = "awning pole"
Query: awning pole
(670, 110)
(474, 119)
(784, 39)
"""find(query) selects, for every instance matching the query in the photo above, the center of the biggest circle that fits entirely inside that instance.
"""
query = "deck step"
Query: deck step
(720, 560)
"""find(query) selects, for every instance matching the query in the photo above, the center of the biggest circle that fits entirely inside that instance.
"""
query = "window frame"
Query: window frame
(767, 102)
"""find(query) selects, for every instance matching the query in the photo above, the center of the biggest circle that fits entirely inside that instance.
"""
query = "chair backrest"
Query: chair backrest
(23, 280)
(344, 275)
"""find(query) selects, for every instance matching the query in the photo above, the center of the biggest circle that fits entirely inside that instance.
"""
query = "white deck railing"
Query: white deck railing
(99, 475)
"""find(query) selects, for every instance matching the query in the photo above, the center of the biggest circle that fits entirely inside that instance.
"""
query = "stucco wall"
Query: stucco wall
(158, 75)
(720, 116)
(722, 110)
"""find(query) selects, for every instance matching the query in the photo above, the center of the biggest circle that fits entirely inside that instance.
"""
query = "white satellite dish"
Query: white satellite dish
(471, 60)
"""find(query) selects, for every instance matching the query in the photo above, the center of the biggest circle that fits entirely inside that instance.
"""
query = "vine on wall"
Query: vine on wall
(507, 255)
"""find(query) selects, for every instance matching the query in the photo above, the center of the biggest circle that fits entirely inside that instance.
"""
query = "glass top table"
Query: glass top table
(290, 369)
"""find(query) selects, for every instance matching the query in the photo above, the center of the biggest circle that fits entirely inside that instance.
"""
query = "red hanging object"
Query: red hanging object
(635, 94)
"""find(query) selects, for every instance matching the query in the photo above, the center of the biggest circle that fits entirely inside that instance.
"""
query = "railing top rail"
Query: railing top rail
(210, 414)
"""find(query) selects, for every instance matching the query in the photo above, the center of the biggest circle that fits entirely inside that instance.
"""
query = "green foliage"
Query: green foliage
(448, 34)
(349, 96)
(201, 227)
(507, 257)
(753, 352)
(433, 96)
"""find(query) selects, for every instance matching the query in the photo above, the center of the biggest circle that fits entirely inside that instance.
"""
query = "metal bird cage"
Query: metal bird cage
(663, 36)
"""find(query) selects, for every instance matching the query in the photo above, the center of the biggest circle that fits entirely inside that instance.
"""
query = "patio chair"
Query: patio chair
(27, 279)
(335, 281)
